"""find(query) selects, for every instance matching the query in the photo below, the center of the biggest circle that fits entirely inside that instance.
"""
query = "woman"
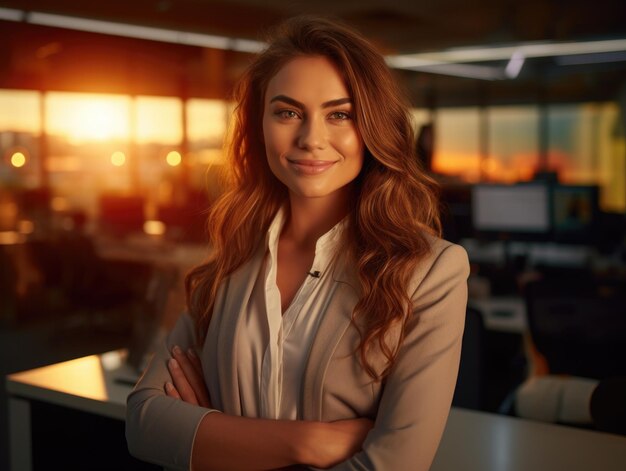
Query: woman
(327, 324)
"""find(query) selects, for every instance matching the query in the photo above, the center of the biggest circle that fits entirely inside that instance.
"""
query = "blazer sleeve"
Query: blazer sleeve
(417, 396)
(162, 429)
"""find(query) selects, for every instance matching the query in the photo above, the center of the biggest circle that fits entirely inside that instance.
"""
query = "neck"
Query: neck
(310, 218)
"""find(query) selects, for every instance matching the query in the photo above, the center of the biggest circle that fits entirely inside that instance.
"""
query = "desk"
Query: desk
(477, 441)
(183, 257)
(472, 440)
(146, 249)
(96, 384)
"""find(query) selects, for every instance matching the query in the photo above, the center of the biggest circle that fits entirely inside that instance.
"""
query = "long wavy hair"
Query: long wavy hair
(395, 203)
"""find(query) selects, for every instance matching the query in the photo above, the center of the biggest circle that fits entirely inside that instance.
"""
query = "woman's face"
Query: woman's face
(311, 140)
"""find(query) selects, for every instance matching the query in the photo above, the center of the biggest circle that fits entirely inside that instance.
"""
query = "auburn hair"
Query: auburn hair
(395, 203)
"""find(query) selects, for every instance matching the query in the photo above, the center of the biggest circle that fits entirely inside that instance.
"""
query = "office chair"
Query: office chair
(469, 386)
(579, 326)
(608, 407)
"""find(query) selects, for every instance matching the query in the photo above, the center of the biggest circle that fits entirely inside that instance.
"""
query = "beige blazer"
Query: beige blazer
(410, 408)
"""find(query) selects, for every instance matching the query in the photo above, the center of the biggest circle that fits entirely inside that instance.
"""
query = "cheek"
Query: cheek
(276, 140)
(351, 146)
(273, 147)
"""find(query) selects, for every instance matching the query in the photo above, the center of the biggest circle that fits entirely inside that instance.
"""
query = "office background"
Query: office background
(112, 118)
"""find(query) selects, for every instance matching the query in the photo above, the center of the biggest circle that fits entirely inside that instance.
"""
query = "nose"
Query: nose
(312, 134)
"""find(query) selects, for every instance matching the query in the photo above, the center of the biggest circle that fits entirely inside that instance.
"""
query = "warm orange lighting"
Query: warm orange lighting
(154, 227)
(174, 158)
(25, 226)
(88, 117)
(67, 223)
(9, 238)
(64, 163)
(18, 159)
(118, 158)
(20, 111)
(8, 213)
(158, 120)
(206, 157)
(82, 377)
(471, 168)
(59, 204)
(464, 165)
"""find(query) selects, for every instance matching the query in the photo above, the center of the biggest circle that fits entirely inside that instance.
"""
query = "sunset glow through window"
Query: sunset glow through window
(84, 117)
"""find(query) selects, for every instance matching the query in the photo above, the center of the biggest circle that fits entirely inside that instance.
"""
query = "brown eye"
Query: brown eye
(340, 115)
(286, 114)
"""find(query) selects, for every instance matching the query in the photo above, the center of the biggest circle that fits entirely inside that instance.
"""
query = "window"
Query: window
(457, 147)
(513, 143)
(207, 121)
(88, 146)
(586, 146)
(20, 128)
(159, 133)
(420, 117)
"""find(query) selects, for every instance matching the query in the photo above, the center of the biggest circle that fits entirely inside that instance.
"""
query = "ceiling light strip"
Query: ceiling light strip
(481, 72)
(9, 14)
(515, 65)
(445, 62)
(134, 31)
(527, 50)
(598, 58)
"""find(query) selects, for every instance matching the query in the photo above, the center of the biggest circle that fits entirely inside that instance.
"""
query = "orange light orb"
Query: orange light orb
(173, 158)
(18, 159)
(118, 158)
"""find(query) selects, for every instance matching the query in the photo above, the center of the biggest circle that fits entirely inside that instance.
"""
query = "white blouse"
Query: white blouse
(276, 343)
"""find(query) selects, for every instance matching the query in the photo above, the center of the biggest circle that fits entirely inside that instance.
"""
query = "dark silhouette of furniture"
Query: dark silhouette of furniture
(470, 382)
(121, 215)
(579, 326)
(608, 405)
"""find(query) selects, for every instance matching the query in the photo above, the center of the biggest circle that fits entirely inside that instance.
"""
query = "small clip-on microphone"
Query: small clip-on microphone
(315, 274)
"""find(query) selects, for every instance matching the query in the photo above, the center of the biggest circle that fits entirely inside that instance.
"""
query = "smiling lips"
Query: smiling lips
(310, 167)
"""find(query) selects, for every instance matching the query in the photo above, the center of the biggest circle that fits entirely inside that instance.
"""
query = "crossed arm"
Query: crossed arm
(227, 442)
(410, 418)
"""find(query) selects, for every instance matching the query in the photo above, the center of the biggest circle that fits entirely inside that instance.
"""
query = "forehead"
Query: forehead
(308, 77)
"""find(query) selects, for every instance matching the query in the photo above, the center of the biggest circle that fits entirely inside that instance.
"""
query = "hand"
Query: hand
(338, 441)
(188, 380)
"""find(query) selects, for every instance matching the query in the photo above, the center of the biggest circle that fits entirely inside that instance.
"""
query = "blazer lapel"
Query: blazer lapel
(332, 328)
(241, 283)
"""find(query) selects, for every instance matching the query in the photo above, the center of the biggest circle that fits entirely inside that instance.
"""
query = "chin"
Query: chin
(317, 192)
(310, 194)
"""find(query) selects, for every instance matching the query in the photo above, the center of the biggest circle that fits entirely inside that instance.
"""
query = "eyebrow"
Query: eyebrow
(296, 103)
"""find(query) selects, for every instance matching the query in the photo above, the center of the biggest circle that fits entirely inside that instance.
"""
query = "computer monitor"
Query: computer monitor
(574, 212)
(519, 210)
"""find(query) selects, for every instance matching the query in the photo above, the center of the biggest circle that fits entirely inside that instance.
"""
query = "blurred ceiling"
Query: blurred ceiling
(402, 26)
(410, 27)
